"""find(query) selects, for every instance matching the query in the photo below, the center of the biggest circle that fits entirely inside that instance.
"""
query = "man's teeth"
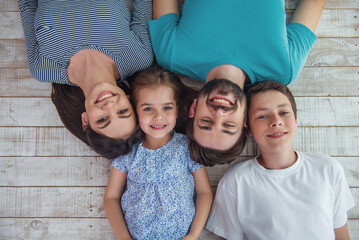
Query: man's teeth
(105, 96)
(217, 100)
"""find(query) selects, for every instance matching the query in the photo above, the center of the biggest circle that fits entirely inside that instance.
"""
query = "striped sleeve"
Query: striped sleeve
(35, 61)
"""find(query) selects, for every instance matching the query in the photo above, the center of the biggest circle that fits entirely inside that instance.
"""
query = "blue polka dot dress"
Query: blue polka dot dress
(159, 198)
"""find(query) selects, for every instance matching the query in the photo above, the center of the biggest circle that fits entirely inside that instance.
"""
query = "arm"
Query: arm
(112, 205)
(308, 13)
(163, 7)
(204, 198)
(342, 233)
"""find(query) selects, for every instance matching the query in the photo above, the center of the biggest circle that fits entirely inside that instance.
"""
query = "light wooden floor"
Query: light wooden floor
(51, 185)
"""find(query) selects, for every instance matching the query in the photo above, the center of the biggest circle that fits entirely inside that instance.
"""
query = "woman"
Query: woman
(89, 44)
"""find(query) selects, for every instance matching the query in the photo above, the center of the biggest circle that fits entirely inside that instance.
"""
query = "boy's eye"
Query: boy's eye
(284, 113)
(262, 117)
(101, 120)
(122, 111)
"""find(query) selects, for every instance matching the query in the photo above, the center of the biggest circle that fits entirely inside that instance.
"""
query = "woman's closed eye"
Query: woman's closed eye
(122, 111)
(102, 120)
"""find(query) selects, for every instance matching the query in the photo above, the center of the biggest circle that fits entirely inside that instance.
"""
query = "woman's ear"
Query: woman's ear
(192, 109)
(85, 122)
(246, 126)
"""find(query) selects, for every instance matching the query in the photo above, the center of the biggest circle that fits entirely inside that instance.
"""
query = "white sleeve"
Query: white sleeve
(343, 199)
(223, 219)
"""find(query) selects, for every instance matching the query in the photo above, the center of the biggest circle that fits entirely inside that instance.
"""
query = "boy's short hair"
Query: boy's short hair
(210, 157)
(267, 86)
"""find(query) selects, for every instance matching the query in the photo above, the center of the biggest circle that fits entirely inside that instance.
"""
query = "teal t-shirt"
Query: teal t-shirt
(250, 35)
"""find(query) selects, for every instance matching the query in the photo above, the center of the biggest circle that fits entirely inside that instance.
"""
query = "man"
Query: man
(234, 42)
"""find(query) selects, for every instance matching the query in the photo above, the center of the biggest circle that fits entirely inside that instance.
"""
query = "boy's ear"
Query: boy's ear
(85, 121)
(192, 109)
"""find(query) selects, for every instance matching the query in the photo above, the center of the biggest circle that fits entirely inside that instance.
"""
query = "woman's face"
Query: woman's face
(109, 112)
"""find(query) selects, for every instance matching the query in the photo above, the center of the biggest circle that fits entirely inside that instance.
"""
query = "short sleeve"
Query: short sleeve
(121, 163)
(192, 165)
(162, 32)
(343, 199)
(223, 219)
(300, 41)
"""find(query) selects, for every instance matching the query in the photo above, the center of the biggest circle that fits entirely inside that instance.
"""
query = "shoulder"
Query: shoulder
(322, 162)
(239, 171)
(120, 160)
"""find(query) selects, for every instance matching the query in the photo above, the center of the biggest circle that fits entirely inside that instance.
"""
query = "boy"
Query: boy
(282, 193)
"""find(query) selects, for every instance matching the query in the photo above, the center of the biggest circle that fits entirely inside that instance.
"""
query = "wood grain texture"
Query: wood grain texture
(70, 202)
(52, 185)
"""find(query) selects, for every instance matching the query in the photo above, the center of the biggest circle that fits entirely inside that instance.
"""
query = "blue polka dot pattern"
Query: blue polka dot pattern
(159, 199)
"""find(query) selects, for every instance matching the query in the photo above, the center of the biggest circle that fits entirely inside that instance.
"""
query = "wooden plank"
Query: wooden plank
(85, 228)
(41, 142)
(327, 81)
(18, 82)
(94, 171)
(333, 23)
(313, 81)
(54, 171)
(70, 202)
(15, 112)
(8, 5)
(333, 52)
(52, 228)
(52, 202)
(28, 141)
(312, 111)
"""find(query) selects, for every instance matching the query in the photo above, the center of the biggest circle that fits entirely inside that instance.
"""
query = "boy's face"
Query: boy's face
(272, 121)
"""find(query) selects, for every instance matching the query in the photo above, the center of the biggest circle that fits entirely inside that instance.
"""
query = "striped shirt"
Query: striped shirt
(55, 30)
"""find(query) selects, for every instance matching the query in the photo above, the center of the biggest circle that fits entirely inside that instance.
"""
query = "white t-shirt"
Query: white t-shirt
(305, 201)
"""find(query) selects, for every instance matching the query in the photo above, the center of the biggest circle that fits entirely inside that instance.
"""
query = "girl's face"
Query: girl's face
(157, 112)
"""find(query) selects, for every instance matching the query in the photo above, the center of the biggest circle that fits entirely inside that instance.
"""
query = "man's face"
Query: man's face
(218, 115)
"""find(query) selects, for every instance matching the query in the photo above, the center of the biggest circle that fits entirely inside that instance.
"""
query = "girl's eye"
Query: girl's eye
(101, 120)
(167, 108)
(122, 111)
(147, 109)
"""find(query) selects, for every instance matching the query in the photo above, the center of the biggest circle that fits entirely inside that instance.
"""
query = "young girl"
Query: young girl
(156, 191)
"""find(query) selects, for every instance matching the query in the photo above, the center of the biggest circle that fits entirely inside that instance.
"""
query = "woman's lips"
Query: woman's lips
(104, 95)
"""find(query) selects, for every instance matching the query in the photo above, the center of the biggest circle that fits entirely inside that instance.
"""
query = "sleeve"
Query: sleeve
(223, 219)
(300, 41)
(141, 14)
(37, 64)
(120, 163)
(343, 199)
(162, 33)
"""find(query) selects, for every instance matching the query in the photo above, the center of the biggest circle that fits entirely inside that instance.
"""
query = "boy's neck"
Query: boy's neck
(278, 160)
(155, 143)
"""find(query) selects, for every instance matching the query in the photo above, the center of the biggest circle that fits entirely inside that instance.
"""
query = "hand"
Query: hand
(189, 237)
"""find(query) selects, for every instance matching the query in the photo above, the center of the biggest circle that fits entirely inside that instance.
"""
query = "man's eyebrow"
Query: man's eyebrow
(210, 128)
